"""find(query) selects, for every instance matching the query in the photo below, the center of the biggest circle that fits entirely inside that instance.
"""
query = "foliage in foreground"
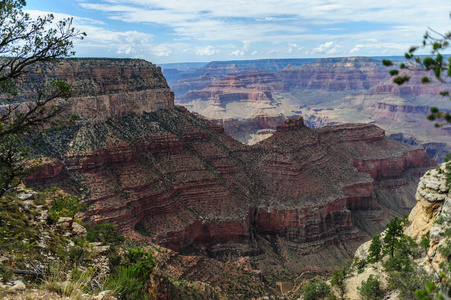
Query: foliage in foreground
(435, 65)
(370, 289)
(315, 291)
(133, 278)
(25, 43)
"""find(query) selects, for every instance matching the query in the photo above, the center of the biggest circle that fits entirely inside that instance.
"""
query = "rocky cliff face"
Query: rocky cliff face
(353, 73)
(325, 92)
(105, 88)
(428, 220)
(186, 184)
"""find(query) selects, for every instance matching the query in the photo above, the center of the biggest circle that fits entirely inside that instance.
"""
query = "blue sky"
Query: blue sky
(167, 31)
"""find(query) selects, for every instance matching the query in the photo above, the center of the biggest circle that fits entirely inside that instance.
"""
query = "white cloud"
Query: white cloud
(243, 51)
(190, 28)
(207, 51)
(293, 48)
(322, 48)
(328, 48)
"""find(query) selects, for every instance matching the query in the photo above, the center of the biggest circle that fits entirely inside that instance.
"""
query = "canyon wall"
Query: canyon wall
(300, 199)
(104, 88)
(327, 91)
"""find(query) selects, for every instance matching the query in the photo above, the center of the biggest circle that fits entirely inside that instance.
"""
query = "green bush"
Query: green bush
(425, 242)
(106, 233)
(370, 289)
(62, 205)
(338, 278)
(360, 264)
(125, 284)
(132, 278)
(317, 290)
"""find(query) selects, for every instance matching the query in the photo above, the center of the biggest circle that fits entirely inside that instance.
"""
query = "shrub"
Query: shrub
(360, 264)
(317, 290)
(131, 279)
(338, 278)
(105, 232)
(126, 284)
(425, 242)
(370, 289)
(62, 205)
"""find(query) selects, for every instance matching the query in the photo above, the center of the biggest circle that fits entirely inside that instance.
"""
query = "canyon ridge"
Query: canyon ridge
(250, 98)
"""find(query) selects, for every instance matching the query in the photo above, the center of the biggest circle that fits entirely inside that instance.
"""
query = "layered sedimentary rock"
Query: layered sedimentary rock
(253, 129)
(244, 86)
(299, 200)
(190, 187)
(353, 73)
(325, 92)
(105, 88)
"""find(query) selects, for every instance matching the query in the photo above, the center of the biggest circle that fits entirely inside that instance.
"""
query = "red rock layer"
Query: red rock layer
(183, 182)
(260, 121)
(105, 88)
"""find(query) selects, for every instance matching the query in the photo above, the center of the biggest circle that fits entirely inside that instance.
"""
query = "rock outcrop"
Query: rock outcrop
(105, 88)
(428, 225)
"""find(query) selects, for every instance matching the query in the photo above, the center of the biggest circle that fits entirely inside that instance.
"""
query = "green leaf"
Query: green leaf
(387, 62)
(425, 79)
(400, 80)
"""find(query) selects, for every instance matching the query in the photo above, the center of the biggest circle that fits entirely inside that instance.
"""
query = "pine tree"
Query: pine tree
(375, 250)
(393, 233)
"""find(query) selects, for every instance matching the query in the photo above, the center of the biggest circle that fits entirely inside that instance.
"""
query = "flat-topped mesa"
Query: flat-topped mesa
(249, 85)
(344, 133)
(291, 124)
(106, 88)
(337, 74)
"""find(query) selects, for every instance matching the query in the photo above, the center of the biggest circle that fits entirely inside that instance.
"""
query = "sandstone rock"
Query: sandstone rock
(105, 295)
(65, 223)
(100, 250)
(432, 194)
(446, 207)
(26, 196)
(362, 252)
(436, 234)
(18, 285)
(78, 230)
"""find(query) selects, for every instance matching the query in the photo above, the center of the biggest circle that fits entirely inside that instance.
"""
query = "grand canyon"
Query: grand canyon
(216, 150)
(301, 200)
(250, 98)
